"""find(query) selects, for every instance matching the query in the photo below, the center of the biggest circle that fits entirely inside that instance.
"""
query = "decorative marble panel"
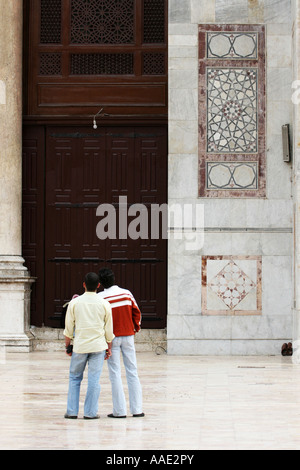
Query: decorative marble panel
(221, 45)
(232, 141)
(231, 110)
(232, 175)
(231, 285)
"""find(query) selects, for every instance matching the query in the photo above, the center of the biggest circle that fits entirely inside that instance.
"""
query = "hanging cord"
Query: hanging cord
(96, 115)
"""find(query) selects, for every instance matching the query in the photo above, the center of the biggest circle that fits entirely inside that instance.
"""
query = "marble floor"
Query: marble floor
(191, 403)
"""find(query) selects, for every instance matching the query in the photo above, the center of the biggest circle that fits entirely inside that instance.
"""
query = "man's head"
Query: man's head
(107, 278)
(91, 282)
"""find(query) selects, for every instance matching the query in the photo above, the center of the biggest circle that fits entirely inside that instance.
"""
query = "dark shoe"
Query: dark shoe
(70, 417)
(139, 415)
(289, 349)
(113, 416)
(94, 417)
(284, 349)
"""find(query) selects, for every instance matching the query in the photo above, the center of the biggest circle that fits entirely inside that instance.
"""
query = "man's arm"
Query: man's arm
(136, 316)
(67, 344)
(108, 326)
(69, 327)
(109, 332)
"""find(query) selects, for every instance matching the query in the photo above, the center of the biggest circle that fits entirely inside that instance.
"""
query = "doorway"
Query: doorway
(76, 170)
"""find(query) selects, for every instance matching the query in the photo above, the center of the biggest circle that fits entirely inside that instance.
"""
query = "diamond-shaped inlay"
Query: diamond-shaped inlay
(231, 285)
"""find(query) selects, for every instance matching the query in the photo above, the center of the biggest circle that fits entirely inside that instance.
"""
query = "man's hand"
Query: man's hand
(68, 343)
(108, 354)
(108, 351)
(69, 350)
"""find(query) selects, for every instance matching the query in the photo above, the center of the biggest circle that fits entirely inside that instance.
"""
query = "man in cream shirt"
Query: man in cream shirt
(89, 318)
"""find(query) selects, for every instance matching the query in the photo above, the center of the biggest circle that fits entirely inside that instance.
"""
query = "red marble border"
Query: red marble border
(260, 157)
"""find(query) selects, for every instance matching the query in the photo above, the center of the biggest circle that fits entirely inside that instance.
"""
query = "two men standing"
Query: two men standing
(104, 325)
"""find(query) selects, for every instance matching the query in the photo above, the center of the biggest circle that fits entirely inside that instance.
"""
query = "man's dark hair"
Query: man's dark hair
(91, 281)
(107, 278)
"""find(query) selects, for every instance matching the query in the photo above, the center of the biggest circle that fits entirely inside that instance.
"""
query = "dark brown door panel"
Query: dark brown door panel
(83, 171)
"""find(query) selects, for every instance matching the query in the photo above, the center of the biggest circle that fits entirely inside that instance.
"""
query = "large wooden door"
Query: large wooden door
(79, 57)
(86, 168)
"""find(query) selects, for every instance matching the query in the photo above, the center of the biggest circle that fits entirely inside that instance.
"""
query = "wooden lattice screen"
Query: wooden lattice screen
(89, 53)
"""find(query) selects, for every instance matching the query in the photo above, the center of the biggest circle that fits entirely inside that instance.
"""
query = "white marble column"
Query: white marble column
(296, 156)
(15, 282)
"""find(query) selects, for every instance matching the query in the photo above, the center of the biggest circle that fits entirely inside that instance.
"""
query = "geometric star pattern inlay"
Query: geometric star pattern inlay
(232, 110)
(231, 285)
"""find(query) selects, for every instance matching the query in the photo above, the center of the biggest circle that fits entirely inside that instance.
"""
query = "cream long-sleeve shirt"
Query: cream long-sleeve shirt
(90, 318)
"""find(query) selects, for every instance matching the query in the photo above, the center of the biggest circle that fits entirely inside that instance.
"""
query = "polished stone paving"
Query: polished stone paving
(191, 403)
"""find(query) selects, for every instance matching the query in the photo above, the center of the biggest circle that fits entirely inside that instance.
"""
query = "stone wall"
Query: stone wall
(296, 177)
(247, 240)
(52, 339)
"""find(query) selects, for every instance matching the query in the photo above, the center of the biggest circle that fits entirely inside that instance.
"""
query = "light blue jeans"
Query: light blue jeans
(124, 345)
(77, 367)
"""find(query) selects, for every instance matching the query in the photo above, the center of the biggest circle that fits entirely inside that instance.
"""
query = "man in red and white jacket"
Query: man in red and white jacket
(126, 322)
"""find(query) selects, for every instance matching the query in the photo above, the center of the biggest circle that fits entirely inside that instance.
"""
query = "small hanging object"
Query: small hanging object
(94, 121)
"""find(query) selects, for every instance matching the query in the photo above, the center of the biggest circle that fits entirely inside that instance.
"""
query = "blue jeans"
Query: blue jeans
(77, 367)
(124, 345)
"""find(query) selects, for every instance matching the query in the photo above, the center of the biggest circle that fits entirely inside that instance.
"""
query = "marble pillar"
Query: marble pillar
(296, 157)
(15, 281)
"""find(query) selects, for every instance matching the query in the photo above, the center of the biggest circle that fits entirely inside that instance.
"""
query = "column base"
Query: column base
(15, 289)
(16, 343)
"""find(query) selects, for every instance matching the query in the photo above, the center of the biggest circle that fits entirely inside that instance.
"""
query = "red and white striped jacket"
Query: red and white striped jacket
(125, 311)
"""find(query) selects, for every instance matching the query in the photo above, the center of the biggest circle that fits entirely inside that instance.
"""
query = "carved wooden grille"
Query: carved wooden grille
(102, 22)
(50, 63)
(154, 21)
(154, 64)
(51, 11)
(101, 64)
(102, 51)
